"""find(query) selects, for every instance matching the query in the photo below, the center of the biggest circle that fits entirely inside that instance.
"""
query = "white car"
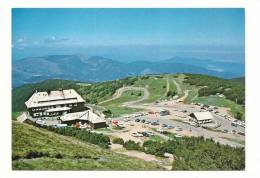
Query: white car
(178, 136)
(160, 130)
(150, 133)
(134, 134)
(121, 125)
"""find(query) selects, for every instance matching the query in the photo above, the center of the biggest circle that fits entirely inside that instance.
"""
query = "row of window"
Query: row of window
(50, 107)
(48, 114)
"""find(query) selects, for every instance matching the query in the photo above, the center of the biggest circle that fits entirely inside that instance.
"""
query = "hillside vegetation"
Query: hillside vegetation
(194, 153)
(38, 149)
(200, 88)
(92, 93)
(213, 85)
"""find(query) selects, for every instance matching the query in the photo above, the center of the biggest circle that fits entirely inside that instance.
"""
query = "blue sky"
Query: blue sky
(79, 28)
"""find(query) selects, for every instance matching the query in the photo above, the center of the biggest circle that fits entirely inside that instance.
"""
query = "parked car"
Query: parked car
(164, 125)
(137, 120)
(234, 124)
(170, 127)
(148, 122)
(121, 125)
(241, 133)
(145, 134)
(225, 130)
(179, 129)
(143, 121)
(134, 134)
(178, 136)
(160, 130)
(233, 131)
(126, 119)
(155, 123)
(150, 133)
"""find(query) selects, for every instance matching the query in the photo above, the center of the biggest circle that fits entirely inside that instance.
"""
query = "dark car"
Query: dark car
(170, 127)
(143, 121)
(241, 133)
(145, 134)
(137, 120)
(225, 130)
(155, 123)
(234, 124)
(164, 125)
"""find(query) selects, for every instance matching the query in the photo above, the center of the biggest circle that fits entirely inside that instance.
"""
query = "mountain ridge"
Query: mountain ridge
(98, 68)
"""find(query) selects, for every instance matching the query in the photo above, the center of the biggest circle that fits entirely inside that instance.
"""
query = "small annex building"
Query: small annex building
(202, 117)
(87, 117)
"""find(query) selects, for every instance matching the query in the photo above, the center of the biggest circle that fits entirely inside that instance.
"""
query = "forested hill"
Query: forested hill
(233, 90)
(239, 80)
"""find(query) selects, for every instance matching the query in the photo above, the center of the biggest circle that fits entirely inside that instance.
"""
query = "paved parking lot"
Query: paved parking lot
(177, 118)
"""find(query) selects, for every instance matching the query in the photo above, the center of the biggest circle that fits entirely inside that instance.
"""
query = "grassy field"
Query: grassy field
(218, 101)
(156, 138)
(38, 149)
(156, 87)
(193, 90)
(115, 105)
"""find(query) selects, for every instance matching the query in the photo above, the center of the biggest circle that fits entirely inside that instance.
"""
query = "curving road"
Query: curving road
(120, 91)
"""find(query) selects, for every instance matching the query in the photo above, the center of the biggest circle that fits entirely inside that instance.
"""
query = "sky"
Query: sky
(166, 32)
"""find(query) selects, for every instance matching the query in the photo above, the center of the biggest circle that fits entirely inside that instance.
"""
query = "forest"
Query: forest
(194, 153)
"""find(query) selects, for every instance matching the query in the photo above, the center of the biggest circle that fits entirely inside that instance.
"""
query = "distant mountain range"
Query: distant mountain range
(96, 68)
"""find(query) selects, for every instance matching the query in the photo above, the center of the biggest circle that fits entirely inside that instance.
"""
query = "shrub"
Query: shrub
(35, 154)
(87, 136)
(58, 156)
(118, 141)
(131, 145)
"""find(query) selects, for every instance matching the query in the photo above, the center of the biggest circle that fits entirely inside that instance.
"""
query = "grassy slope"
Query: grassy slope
(115, 105)
(156, 87)
(73, 154)
(102, 91)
